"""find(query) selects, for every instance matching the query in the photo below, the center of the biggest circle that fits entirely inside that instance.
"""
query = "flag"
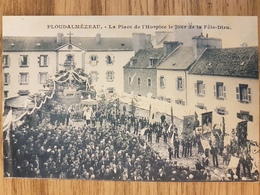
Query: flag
(227, 140)
(255, 155)
(233, 163)
(169, 128)
(8, 120)
(205, 144)
(152, 114)
(142, 132)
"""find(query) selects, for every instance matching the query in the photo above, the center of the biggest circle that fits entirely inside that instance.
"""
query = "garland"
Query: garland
(70, 75)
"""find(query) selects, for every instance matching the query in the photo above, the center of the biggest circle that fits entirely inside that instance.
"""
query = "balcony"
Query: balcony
(69, 63)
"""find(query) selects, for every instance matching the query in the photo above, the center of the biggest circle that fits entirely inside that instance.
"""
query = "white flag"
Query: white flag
(8, 120)
(233, 163)
(205, 144)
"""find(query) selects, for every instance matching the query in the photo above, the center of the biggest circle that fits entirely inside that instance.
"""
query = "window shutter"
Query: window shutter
(176, 83)
(8, 79)
(249, 94)
(239, 115)
(9, 61)
(224, 91)
(195, 87)
(20, 61)
(47, 60)
(19, 79)
(203, 89)
(250, 118)
(183, 84)
(215, 95)
(28, 61)
(39, 78)
(39, 60)
(237, 94)
(28, 78)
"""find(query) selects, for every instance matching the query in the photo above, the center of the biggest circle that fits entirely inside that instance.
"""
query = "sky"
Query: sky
(233, 30)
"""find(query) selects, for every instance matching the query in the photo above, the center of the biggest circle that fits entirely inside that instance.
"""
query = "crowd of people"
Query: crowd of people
(109, 146)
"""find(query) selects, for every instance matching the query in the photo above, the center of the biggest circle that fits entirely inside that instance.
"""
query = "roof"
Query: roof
(144, 55)
(51, 44)
(235, 62)
(180, 59)
(18, 101)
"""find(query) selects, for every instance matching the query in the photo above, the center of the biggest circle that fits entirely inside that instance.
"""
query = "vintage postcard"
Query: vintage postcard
(134, 98)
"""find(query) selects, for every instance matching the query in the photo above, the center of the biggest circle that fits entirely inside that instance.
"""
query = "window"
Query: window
(24, 61)
(94, 76)
(153, 61)
(179, 84)
(109, 60)
(43, 77)
(243, 93)
(6, 94)
(6, 61)
(220, 91)
(93, 60)
(110, 90)
(149, 82)
(129, 80)
(110, 76)
(23, 92)
(162, 81)
(245, 116)
(24, 78)
(43, 60)
(69, 60)
(138, 81)
(180, 102)
(221, 111)
(200, 88)
(6, 78)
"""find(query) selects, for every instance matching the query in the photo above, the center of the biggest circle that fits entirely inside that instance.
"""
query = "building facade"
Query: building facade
(28, 62)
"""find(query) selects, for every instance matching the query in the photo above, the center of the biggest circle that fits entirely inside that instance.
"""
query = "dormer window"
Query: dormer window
(153, 61)
(133, 61)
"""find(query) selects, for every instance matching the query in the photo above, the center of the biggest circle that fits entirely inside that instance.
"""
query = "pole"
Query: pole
(172, 115)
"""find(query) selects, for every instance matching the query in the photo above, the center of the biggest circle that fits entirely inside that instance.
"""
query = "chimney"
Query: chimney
(200, 43)
(98, 38)
(141, 41)
(169, 46)
(59, 38)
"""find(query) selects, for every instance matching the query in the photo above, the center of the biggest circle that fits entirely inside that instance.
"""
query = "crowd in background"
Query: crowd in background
(112, 146)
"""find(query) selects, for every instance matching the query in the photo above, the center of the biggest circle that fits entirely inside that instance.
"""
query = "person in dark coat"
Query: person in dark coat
(170, 151)
(214, 152)
(176, 148)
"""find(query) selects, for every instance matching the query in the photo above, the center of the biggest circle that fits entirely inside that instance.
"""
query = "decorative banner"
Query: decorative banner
(206, 122)
(188, 124)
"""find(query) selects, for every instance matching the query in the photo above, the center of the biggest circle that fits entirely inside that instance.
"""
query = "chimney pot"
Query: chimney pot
(98, 38)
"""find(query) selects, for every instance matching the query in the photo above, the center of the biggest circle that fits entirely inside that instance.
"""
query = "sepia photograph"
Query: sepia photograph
(131, 98)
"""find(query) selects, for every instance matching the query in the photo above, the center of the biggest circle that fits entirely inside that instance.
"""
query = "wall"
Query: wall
(144, 74)
(15, 69)
(230, 103)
